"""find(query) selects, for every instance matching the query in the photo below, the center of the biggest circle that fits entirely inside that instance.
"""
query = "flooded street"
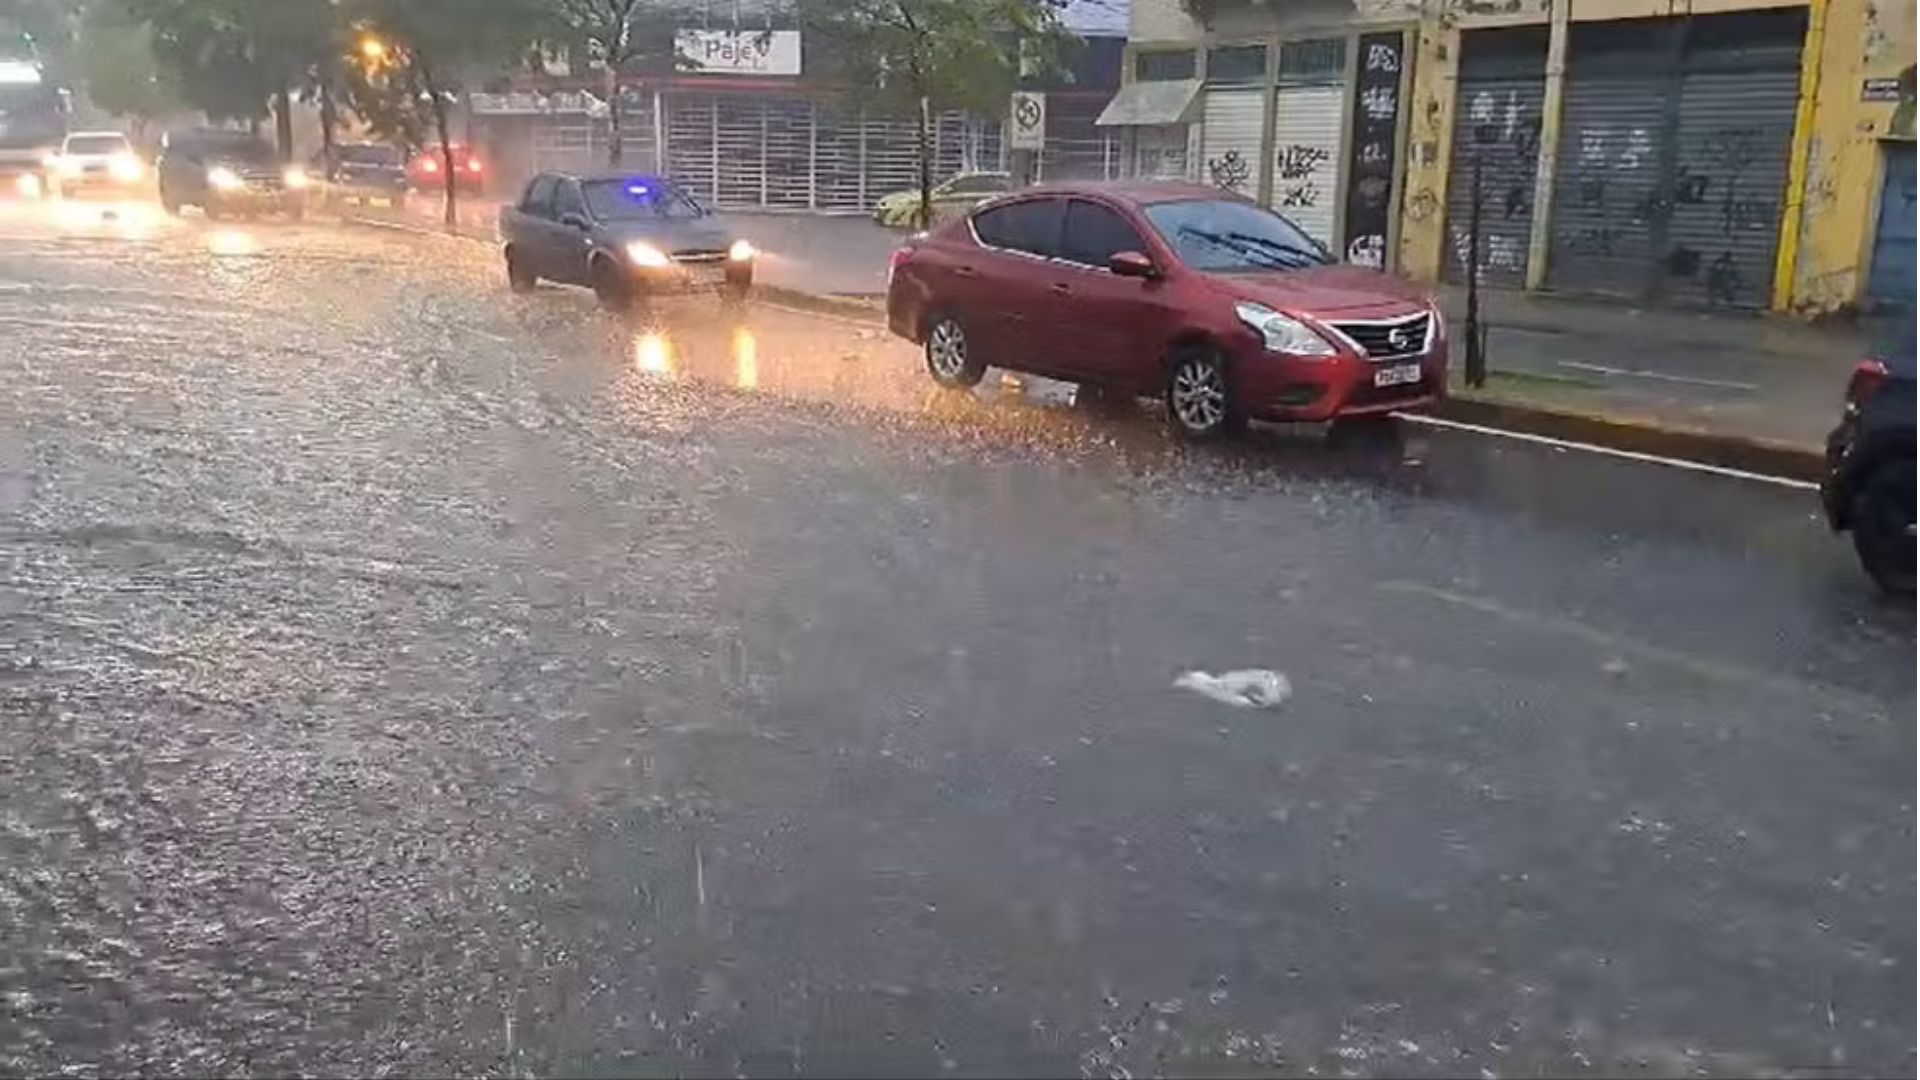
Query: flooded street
(398, 675)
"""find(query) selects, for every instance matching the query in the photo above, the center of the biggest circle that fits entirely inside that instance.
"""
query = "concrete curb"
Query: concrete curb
(1640, 435)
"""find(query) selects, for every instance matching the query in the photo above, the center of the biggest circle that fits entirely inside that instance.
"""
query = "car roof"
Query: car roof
(96, 134)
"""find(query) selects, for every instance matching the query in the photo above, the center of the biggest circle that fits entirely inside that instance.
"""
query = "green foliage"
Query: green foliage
(229, 57)
(966, 54)
(116, 62)
(431, 46)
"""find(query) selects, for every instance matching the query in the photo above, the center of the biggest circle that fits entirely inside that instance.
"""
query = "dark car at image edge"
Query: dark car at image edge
(1868, 488)
(1220, 306)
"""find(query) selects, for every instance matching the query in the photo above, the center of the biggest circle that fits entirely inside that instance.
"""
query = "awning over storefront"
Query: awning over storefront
(1145, 104)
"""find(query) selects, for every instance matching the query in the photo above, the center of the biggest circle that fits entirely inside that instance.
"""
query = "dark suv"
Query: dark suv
(227, 172)
(1869, 484)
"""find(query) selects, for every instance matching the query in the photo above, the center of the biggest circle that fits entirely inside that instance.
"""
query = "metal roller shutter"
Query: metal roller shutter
(1306, 157)
(690, 142)
(891, 162)
(1231, 123)
(740, 135)
(839, 175)
(1732, 141)
(1606, 191)
(789, 154)
(1497, 122)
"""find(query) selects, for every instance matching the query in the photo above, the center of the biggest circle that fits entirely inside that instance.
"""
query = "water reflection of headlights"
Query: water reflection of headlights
(653, 353)
(295, 177)
(746, 359)
(221, 178)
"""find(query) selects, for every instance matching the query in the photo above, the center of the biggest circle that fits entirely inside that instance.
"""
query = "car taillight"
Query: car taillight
(1867, 377)
(473, 164)
(899, 256)
(429, 165)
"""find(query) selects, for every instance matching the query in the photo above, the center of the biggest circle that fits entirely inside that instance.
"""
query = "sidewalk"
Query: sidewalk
(1747, 390)
(1756, 378)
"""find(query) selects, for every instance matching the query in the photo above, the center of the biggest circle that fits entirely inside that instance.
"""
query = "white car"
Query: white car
(96, 161)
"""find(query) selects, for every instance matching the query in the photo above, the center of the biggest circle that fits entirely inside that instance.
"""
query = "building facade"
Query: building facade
(745, 123)
(1739, 154)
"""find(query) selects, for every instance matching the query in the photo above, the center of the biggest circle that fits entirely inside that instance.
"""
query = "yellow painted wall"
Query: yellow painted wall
(1865, 39)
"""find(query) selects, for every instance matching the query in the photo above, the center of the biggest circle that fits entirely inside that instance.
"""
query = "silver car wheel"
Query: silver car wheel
(1199, 396)
(947, 349)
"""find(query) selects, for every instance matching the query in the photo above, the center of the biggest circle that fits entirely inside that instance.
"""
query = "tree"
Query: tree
(232, 58)
(619, 34)
(936, 54)
(418, 51)
(117, 65)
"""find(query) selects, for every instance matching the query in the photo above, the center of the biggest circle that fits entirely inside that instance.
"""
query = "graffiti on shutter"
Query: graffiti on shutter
(1230, 134)
(1497, 124)
(1306, 157)
(1370, 170)
(1728, 185)
(1607, 193)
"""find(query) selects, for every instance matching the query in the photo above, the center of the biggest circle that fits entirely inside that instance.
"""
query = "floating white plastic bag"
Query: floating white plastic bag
(1253, 688)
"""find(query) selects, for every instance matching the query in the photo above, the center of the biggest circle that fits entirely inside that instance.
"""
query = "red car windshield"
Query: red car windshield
(1226, 236)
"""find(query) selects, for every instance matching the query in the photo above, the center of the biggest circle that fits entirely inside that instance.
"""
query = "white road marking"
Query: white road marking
(1630, 455)
(1613, 642)
(1690, 380)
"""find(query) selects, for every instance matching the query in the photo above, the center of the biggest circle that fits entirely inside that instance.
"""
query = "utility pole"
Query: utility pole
(1476, 351)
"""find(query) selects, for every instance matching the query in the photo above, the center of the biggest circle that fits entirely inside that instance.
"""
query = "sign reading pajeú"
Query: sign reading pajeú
(741, 52)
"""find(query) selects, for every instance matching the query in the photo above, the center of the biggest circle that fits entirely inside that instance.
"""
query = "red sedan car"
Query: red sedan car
(1222, 306)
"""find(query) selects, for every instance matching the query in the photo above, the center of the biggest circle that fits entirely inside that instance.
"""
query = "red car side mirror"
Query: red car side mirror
(1131, 264)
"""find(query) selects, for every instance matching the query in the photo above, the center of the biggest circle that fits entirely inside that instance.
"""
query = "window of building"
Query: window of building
(1236, 63)
(1164, 66)
(1317, 61)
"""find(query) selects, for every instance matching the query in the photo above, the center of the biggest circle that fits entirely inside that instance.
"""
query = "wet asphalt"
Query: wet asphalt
(402, 676)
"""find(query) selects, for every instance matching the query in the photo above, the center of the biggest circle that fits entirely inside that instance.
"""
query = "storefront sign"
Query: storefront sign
(741, 52)
(1371, 165)
(1027, 121)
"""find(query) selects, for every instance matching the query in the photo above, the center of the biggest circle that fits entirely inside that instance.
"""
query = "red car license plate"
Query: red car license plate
(1397, 375)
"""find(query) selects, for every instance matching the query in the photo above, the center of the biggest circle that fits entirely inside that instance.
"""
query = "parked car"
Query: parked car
(227, 172)
(950, 197)
(1868, 488)
(1220, 305)
(364, 172)
(627, 237)
(469, 169)
(97, 161)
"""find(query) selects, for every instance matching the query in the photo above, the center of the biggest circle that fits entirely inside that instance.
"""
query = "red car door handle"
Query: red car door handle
(1061, 288)
(963, 271)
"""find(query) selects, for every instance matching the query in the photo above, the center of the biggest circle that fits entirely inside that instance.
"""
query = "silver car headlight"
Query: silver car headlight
(1282, 334)
(221, 178)
(641, 253)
